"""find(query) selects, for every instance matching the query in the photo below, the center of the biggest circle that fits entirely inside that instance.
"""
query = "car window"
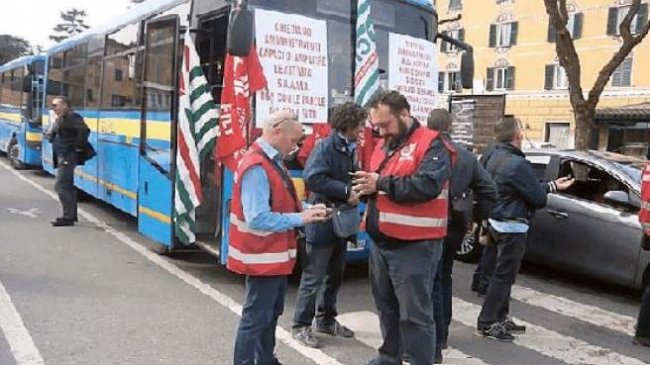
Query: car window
(591, 183)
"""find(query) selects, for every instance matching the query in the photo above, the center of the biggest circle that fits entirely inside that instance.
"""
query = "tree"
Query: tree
(73, 23)
(12, 47)
(584, 110)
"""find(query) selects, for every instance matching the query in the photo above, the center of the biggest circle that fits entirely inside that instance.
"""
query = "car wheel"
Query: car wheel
(14, 153)
(470, 250)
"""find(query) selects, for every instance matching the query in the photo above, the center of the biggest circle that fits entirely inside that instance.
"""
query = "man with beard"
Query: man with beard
(407, 189)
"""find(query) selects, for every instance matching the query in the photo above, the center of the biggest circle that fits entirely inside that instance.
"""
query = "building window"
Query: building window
(555, 77)
(622, 76)
(447, 81)
(446, 47)
(505, 1)
(118, 75)
(503, 35)
(558, 134)
(500, 78)
(574, 26)
(617, 14)
(455, 5)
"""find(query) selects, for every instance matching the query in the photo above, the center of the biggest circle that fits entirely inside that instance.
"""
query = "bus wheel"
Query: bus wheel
(14, 153)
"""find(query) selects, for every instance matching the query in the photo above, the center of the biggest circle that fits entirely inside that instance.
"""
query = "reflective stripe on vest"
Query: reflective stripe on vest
(262, 258)
(244, 228)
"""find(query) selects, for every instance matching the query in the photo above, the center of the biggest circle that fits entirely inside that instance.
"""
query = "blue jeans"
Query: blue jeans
(256, 334)
(441, 295)
(401, 280)
(319, 284)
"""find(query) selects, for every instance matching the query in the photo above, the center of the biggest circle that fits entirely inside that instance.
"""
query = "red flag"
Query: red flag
(320, 131)
(367, 142)
(242, 76)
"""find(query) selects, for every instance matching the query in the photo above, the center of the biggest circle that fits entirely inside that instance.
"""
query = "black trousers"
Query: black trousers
(510, 251)
(64, 185)
(643, 323)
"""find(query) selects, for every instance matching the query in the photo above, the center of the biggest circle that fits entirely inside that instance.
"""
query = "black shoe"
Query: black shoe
(305, 336)
(277, 362)
(438, 359)
(512, 327)
(62, 222)
(335, 329)
(497, 331)
(642, 341)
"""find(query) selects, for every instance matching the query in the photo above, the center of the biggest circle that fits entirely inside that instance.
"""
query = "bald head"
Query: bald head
(282, 130)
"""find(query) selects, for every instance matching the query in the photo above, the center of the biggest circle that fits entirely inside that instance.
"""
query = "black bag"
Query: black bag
(462, 208)
(86, 153)
(346, 222)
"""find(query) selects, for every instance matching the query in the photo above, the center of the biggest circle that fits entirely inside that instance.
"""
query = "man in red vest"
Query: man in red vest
(407, 190)
(265, 213)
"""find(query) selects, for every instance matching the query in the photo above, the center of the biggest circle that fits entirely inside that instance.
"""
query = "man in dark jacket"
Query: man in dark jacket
(69, 136)
(407, 218)
(327, 177)
(469, 180)
(519, 194)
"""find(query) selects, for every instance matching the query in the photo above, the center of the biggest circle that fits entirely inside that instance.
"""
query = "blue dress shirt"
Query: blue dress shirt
(255, 195)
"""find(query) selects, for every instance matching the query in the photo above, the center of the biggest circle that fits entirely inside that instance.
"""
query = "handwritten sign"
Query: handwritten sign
(293, 52)
(412, 70)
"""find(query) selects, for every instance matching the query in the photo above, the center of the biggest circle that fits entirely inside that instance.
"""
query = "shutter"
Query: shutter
(510, 78)
(514, 28)
(577, 25)
(461, 35)
(550, 37)
(443, 44)
(493, 35)
(612, 18)
(641, 17)
(627, 72)
(489, 81)
(548, 77)
(441, 81)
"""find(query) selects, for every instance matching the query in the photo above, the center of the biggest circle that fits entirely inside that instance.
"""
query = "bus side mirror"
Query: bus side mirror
(467, 69)
(240, 32)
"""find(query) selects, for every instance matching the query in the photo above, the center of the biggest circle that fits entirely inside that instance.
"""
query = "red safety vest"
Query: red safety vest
(644, 213)
(415, 221)
(258, 253)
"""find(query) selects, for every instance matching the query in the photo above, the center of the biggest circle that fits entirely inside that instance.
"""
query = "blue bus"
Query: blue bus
(21, 90)
(122, 78)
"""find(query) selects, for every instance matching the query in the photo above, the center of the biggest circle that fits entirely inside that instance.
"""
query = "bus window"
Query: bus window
(121, 76)
(14, 95)
(54, 77)
(93, 73)
(74, 71)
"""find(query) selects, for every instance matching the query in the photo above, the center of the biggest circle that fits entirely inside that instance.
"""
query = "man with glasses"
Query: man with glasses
(69, 137)
(265, 214)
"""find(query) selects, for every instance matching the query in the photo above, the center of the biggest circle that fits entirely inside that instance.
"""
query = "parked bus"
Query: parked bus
(21, 84)
(122, 78)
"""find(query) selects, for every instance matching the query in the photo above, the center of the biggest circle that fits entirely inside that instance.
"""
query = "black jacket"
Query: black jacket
(424, 185)
(327, 178)
(471, 181)
(519, 193)
(69, 138)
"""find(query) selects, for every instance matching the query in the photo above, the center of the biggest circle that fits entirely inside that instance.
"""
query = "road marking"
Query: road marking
(547, 342)
(365, 325)
(582, 312)
(315, 355)
(31, 213)
(21, 343)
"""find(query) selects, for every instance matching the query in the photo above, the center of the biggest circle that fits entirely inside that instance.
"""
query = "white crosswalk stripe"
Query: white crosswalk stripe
(365, 325)
(569, 308)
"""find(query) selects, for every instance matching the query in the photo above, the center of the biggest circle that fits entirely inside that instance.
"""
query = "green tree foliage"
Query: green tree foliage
(73, 22)
(12, 47)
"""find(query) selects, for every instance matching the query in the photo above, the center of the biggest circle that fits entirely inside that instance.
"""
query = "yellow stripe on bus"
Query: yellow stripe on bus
(13, 118)
(33, 137)
(109, 186)
(155, 215)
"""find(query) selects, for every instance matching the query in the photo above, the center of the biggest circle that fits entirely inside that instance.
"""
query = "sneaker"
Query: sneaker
(497, 331)
(335, 329)
(512, 327)
(305, 336)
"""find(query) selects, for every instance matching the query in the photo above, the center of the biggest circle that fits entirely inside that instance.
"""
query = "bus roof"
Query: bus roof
(428, 4)
(139, 12)
(22, 61)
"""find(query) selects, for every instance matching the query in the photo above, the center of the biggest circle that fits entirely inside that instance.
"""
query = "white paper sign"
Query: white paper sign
(293, 52)
(413, 71)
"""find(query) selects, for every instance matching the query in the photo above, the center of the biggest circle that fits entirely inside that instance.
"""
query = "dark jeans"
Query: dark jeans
(441, 295)
(64, 185)
(510, 251)
(643, 323)
(256, 334)
(319, 284)
(401, 280)
(484, 269)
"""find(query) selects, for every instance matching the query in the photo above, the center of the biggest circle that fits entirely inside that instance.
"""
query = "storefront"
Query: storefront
(625, 129)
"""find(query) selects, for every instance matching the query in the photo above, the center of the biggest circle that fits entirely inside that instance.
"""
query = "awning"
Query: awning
(634, 113)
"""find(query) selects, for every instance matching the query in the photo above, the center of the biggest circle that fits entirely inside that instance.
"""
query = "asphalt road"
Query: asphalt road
(95, 294)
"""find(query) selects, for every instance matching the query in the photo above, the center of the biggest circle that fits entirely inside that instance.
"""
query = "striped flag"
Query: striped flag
(197, 131)
(366, 75)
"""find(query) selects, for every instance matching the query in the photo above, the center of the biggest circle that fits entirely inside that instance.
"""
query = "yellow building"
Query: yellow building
(514, 54)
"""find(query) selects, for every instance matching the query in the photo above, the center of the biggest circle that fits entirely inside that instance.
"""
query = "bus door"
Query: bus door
(156, 171)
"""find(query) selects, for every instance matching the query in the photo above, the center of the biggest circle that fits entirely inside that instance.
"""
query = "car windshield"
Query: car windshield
(632, 170)
(629, 165)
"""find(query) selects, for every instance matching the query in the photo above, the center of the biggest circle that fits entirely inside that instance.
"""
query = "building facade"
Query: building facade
(514, 54)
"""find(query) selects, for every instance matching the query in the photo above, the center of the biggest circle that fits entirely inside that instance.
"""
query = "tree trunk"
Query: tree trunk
(586, 134)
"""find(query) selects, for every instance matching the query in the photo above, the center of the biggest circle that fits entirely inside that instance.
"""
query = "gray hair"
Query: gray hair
(281, 118)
